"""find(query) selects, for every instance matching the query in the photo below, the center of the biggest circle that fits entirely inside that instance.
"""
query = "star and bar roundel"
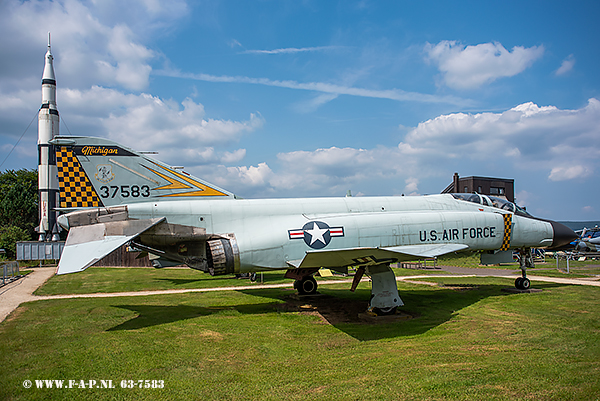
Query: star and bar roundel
(316, 234)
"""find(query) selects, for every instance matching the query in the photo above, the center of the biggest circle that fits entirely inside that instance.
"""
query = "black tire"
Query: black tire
(306, 286)
(519, 283)
(525, 284)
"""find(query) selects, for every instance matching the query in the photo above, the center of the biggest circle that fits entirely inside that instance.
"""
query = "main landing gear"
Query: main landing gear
(525, 261)
(307, 285)
(385, 299)
(384, 292)
(304, 282)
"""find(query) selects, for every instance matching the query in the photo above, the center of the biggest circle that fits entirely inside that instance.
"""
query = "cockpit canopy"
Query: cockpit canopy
(492, 201)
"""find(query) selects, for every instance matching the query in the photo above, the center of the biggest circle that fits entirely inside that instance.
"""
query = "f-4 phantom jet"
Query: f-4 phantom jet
(112, 195)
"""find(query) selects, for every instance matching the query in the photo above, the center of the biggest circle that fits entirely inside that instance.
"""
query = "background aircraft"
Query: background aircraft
(589, 240)
(112, 195)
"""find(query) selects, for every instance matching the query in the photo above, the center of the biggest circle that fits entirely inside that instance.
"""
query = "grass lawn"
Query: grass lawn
(466, 340)
(106, 279)
(578, 269)
(109, 279)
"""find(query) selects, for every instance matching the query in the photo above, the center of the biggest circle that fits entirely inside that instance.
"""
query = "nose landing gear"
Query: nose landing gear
(525, 261)
(522, 283)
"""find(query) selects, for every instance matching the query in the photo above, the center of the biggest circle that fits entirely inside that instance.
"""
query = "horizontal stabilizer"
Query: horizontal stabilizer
(88, 244)
(372, 256)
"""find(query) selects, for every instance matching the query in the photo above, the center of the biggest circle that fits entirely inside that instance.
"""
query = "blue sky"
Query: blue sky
(314, 98)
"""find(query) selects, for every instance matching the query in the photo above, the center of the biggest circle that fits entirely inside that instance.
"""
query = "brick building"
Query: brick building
(499, 187)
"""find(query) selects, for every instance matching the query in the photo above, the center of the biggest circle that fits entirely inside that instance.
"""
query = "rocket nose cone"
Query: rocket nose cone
(562, 235)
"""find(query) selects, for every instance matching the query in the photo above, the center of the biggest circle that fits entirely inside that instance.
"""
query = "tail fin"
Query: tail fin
(96, 172)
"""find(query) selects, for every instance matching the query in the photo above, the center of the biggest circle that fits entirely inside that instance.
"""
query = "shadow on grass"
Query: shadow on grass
(153, 315)
(426, 308)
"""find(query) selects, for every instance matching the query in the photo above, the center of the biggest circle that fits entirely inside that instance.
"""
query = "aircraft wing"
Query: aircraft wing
(87, 244)
(372, 256)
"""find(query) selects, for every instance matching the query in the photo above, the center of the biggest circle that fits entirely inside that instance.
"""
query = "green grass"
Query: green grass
(460, 259)
(583, 269)
(467, 340)
(109, 279)
(106, 279)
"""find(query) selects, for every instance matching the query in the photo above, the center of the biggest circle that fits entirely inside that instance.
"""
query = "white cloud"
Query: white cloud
(524, 198)
(566, 66)
(335, 170)
(234, 43)
(293, 50)
(251, 176)
(314, 103)
(327, 172)
(588, 210)
(324, 87)
(181, 132)
(412, 186)
(233, 157)
(92, 43)
(469, 67)
(541, 140)
(154, 122)
(129, 67)
(565, 143)
(564, 173)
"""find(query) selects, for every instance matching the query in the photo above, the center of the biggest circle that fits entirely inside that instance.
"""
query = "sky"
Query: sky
(314, 98)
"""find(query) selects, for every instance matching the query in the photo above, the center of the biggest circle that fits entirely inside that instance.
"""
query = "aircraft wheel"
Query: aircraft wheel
(305, 286)
(253, 277)
(519, 283)
(525, 284)
(385, 311)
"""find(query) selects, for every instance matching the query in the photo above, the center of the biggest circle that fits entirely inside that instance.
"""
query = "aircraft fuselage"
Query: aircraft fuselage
(271, 233)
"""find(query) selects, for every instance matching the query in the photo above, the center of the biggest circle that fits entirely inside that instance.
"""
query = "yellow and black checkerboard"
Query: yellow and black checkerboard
(76, 190)
(507, 232)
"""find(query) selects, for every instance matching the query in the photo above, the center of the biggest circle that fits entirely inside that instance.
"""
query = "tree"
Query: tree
(9, 236)
(19, 202)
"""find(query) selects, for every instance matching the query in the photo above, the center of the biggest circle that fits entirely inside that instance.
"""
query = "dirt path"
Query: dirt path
(14, 294)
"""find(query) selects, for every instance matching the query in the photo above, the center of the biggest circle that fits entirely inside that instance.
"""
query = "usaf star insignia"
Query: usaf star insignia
(316, 234)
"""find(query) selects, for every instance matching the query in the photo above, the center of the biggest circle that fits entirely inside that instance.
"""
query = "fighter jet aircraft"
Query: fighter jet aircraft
(112, 195)
(589, 240)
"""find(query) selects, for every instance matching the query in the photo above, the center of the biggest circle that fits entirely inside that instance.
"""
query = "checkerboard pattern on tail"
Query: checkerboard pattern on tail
(76, 189)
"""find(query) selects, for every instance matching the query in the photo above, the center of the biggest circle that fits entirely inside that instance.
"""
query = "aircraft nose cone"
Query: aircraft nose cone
(562, 235)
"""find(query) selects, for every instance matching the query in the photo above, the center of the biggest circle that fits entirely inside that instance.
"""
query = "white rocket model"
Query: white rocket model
(48, 124)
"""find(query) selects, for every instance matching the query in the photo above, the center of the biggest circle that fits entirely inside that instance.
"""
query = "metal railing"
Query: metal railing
(566, 256)
(421, 264)
(10, 272)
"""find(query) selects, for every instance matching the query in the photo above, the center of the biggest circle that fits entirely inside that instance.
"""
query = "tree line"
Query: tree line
(18, 208)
